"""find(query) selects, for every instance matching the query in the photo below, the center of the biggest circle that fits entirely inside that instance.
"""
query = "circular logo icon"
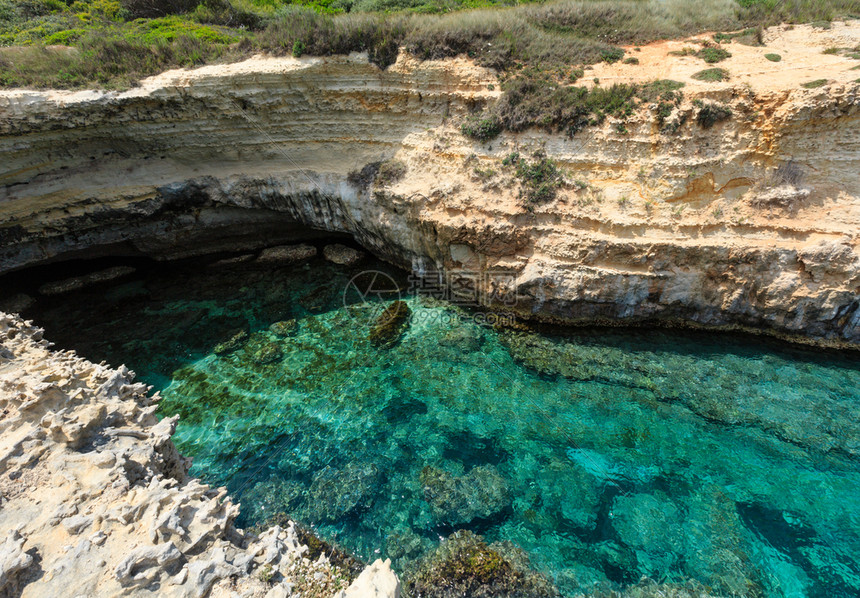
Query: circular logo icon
(369, 292)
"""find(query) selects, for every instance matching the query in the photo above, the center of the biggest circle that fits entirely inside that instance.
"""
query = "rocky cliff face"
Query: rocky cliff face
(750, 222)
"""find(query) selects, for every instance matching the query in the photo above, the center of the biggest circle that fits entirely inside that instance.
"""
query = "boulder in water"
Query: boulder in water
(465, 565)
(231, 344)
(457, 500)
(287, 254)
(284, 328)
(342, 255)
(391, 324)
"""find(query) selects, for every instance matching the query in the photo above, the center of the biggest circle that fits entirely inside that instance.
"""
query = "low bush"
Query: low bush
(773, 57)
(540, 179)
(710, 113)
(712, 75)
(713, 55)
(814, 84)
(157, 8)
(482, 128)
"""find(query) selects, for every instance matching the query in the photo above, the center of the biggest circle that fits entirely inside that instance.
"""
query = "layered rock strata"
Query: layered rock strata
(749, 222)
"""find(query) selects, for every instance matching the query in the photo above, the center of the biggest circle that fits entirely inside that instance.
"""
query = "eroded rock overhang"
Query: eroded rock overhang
(685, 227)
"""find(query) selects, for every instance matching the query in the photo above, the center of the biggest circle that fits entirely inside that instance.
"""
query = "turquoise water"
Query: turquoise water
(607, 455)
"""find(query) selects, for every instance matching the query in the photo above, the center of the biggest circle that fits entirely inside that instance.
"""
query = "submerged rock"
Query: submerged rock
(284, 328)
(719, 550)
(336, 492)
(465, 565)
(287, 254)
(234, 342)
(391, 324)
(16, 303)
(652, 527)
(79, 282)
(317, 298)
(267, 353)
(571, 493)
(479, 494)
(342, 255)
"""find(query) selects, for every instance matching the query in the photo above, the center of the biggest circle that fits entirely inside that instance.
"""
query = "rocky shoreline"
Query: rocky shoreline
(96, 499)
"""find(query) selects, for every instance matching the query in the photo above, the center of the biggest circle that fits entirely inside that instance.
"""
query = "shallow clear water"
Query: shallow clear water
(606, 454)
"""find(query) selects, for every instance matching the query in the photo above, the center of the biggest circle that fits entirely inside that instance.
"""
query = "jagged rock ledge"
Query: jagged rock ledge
(96, 501)
(752, 222)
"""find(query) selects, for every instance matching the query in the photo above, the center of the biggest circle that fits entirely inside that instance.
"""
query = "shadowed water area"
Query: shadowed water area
(607, 455)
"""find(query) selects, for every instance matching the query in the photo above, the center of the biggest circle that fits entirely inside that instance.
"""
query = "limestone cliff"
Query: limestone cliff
(96, 501)
(750, 222)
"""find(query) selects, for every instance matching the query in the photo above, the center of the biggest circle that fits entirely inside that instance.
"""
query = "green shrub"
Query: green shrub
(539, 179)
(611, 55)
(831, 50)
(814, 84)
(482, 128)
(661, 89)
(713, 75)
(156, 8)
(298, 49)
(752, 36)
(713, 55)
(773, 57)
(710, 114)
(325, 35)
(686, 51)
(631, 60)
(533, 102)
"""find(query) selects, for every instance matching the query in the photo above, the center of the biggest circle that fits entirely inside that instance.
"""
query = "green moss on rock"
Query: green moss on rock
(465, 565)
(234, 342)
(390, 324)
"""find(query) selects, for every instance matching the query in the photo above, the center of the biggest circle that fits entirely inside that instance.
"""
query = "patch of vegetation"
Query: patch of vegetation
(538, 102)
(831, 50)
(481, 128)
(710, 113)
(752, 36)
(465, 565)
(611, 55)
(685, 51)
(390, 172)
(540, 179)
(713, 55)
(773, 57)
(631, 60)
(713, 75)
(662, 89)
(814, 84)
(117, 42)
